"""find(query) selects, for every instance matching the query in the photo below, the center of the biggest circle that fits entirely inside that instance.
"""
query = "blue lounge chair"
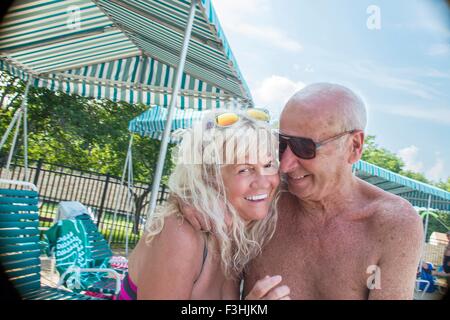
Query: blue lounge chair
(19, 243)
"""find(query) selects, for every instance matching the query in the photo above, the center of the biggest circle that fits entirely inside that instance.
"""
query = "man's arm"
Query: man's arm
(402, 238)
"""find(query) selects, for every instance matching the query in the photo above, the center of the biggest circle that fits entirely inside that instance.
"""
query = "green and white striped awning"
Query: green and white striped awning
(152, 122)
(122, 50)
(416, 192)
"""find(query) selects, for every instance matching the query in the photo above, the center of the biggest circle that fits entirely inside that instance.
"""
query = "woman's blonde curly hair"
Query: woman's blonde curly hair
(200, 184)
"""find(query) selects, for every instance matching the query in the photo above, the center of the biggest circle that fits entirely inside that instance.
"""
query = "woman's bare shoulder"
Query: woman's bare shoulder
(172, 261)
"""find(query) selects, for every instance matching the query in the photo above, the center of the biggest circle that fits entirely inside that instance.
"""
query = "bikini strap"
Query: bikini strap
(205, 254)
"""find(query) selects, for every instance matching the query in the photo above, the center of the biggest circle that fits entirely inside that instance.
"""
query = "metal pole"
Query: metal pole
(165, 138)
(10, 127)
(130, 205)
(25, 127)
(13, 143)
(427, 215)
(116, 207)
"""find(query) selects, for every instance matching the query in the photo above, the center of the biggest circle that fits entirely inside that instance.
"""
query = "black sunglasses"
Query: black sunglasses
(305, 148)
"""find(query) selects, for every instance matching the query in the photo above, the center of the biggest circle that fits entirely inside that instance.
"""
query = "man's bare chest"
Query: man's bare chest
(321, 266)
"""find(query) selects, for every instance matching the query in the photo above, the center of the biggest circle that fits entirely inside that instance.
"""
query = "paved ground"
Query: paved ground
(50, 277)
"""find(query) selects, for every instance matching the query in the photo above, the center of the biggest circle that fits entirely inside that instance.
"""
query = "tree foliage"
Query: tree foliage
(79, 132)
(381, 157)
(386, 159)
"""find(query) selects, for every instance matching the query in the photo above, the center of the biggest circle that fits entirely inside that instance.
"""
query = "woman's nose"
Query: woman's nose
(261, 181)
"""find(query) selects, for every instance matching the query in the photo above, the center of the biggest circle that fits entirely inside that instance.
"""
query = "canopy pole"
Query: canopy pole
(13, 143)
(17, 118)
(425, 230)
(165, 138)
(427, 218)
(116, 206)
(10, 127)
(131, 206)
(25, 127)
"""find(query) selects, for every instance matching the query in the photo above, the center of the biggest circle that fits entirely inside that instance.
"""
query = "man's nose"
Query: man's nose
(289, 161)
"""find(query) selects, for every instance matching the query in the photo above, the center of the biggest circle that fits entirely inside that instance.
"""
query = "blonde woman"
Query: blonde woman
(227, 170)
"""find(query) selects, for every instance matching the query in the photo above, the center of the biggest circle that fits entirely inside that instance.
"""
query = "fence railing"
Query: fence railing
(102, 193)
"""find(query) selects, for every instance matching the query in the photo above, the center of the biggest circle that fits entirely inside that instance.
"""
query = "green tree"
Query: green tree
(414, 175)
(83, 133)
(444, 185)
(438, 221)
(381, 157)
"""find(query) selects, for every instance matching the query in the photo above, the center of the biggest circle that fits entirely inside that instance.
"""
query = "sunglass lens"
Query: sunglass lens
(303, 148)
(259, 114)
(227, 119)
(282, 147)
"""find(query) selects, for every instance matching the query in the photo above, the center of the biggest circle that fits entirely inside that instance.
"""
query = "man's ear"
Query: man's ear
(356, 148)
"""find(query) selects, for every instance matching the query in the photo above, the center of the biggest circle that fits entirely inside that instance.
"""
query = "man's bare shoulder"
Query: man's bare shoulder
(390, 213)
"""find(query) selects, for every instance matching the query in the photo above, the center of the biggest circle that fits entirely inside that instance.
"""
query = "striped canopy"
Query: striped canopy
(122, 50)
(152, 122)
(416, 192)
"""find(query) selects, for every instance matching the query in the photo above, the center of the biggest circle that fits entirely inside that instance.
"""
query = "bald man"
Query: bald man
(337, 237)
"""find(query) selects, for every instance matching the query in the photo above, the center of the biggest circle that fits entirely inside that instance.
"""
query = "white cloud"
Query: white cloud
(433, 19)
(309, 68)
(437, 172)
(244, 17)
(409, 156)
(433, 73)
(391, 78)
(270, 36)
(273, 92)
(232, 9)
(439, 115)
(439, 49)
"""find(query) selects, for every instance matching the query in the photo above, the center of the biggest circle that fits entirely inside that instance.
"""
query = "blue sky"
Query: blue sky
(399, 63)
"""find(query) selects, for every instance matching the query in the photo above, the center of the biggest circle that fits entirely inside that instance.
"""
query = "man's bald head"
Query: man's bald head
(340, 103)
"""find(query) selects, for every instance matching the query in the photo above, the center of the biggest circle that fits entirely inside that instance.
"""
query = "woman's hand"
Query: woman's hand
(268, 288)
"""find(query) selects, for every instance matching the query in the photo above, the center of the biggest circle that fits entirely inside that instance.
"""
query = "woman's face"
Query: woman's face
(250, 188)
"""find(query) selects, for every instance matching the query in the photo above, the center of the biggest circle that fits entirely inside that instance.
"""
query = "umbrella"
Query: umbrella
(153, 121)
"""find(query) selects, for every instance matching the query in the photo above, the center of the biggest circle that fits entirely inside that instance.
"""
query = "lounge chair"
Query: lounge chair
(19, 243)
(89, 251)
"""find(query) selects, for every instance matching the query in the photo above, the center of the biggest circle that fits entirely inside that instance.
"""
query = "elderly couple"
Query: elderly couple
(295, 224)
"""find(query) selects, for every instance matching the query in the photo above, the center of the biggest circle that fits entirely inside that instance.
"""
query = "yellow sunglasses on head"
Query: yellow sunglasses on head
(229, 118)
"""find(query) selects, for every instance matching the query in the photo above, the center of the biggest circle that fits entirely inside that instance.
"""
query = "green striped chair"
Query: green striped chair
(98, 276)
(19, 243)
(100, 253)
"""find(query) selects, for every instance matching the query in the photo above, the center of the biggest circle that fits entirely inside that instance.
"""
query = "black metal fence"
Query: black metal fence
(101, 193)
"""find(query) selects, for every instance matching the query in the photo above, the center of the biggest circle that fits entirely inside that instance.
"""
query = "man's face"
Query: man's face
(315, 178)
